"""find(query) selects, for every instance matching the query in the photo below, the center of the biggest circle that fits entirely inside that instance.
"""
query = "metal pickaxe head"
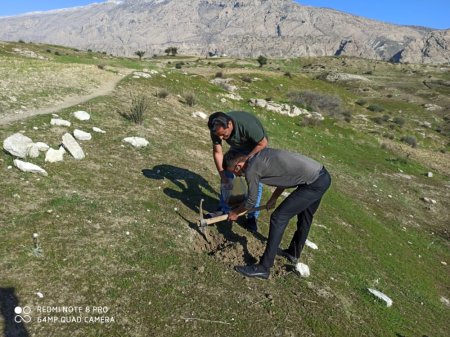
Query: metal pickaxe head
(201, 221)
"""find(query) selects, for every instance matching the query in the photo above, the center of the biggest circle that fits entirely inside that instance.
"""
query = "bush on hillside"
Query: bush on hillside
(162, 93)
(399, 121)
(410, 140)
(190, 98)
(317, 101)
(138, 108)
(219, 74)
(361, 102)
(375, 108)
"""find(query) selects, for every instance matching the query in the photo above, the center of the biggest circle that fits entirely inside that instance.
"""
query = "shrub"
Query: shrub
(288, 74)
(101, 66)
(140, 54)
(361, 102)
(246, 78)
(347, 116)
(310, 121)
(138, 108)
(190, 98)
(89, 50)
(410, 140)
(57, 53)
(262, 60)
(48, 50)
(219, 74)
(399, 120)
(178, 65)
(386, 118)
(378, 120)
(21, 41)
(221, 65)
(375, 108)
(163, 93)
(320, 102)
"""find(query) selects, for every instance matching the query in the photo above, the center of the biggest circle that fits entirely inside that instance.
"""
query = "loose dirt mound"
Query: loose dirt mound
(227, 245)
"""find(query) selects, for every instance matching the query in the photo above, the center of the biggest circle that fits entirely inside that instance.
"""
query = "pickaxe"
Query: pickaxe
(202, 223)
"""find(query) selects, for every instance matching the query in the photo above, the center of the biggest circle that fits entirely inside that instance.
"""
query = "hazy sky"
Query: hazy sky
(428, 13)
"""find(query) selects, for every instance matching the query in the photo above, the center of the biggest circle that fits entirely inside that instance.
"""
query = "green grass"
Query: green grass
(111, 237)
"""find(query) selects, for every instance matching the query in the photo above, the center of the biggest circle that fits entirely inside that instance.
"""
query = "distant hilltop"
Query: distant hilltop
(245, 28)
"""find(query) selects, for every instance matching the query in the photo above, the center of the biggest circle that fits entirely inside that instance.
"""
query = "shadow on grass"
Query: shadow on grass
(13, 322)
(192, 186)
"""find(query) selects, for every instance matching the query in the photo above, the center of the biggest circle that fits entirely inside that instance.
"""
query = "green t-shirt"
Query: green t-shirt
(247, 132)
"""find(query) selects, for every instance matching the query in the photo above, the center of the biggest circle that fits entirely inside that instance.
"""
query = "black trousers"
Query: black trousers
(303, 202)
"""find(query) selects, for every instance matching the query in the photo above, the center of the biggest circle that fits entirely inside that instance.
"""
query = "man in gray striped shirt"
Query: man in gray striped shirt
(281, 169)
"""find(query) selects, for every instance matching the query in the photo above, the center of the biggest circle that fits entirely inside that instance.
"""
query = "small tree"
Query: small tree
(261, 60)
(171, 51)
(139, 53)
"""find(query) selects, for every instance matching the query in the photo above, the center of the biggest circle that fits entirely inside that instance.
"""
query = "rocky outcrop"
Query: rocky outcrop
(278, 28)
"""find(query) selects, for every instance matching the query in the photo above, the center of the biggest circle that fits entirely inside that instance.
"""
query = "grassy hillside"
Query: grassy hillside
(118, 228)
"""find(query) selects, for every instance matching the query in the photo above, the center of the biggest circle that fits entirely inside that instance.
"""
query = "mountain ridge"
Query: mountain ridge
(276, 29)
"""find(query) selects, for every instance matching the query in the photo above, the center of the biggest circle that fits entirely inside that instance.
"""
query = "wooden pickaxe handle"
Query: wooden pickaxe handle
(224, 217)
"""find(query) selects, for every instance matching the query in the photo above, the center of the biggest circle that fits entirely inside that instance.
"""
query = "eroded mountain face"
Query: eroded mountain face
(246, 28)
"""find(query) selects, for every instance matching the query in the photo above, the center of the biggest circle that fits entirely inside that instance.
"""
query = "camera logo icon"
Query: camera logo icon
(22, 314)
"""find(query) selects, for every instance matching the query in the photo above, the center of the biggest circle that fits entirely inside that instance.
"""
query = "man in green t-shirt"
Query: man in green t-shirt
(245, 134)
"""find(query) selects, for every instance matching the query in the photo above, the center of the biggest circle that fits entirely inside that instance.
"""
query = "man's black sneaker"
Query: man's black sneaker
(285, 253)
(252, 225)
(253, 270)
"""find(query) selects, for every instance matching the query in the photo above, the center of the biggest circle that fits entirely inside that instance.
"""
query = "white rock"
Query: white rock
(311, 245)
(136, 141)
(430, 174)
(40, 295)
(81, 135)
(285, 194)
(17, 145)
(445, 301)
(29, 167)
(234, 97)
(71, 145)
(60, 122)
(223, 100)
(53, 156)
(381, 296)
(139, 74)
(82, 115)
(199, 114)
(42, 146)
(33, 151)
(303, 269)
(95, 129)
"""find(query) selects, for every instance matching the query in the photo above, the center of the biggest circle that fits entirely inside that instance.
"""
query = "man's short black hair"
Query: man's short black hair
(218, 119)
(231, 158)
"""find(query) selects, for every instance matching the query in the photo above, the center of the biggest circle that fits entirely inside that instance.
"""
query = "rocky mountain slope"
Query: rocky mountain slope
(241, 28)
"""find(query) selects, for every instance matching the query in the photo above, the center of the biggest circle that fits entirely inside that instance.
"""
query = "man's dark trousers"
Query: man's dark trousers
(303, 202)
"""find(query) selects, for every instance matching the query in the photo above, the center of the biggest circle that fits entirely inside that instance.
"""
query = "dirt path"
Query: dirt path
(104, 89)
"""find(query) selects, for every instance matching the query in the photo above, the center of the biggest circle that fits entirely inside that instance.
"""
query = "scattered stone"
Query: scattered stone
(430, 174)
(200, 114)
(302, 269)
(17, 145)
(311, 245)
(429, 200)
(443, 263)
(33, 151)
(445, 301)
(42, 146)
(136, 141)
(9, 167)
(223, 100)
(53, 156)
(60, 122)
(81, 135)
(234, 97)
(334, 77)
(95, 129)
(40, 295)
(82, 115)
(432, 107)
(71, 145)
(139, 74)
(381, 296)
(426, 125)
(29, 167)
